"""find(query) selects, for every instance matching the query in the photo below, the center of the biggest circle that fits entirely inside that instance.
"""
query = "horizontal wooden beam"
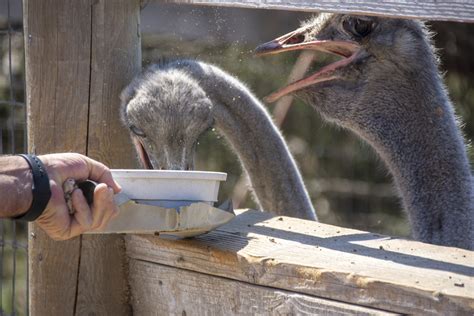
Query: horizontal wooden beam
(444, 10)
(323, 261)
(164, 290)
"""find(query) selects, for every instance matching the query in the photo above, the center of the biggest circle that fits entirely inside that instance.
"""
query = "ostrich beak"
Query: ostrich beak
(296, 41)
(142, 154)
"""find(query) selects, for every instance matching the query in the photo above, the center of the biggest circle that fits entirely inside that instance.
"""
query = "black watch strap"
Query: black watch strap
(40, 187)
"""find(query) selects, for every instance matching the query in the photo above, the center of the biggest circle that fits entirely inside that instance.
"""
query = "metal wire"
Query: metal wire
(13, 293)
(12, 103)
(10, 75)
(2, 251)
(14, 246)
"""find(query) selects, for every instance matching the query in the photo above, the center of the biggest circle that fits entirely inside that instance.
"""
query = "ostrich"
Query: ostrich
(386, 88)
(170, 105)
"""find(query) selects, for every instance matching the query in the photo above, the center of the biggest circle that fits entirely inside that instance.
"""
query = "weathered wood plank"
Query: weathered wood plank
(163, 290)
(57, 51)
(115, 60)
(325, 261)
(444, 10)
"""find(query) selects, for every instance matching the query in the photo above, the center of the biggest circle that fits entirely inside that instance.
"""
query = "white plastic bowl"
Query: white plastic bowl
(172, 191)
(170, 185)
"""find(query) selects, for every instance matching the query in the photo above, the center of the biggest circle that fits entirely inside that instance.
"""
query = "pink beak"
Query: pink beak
(142, 154)
(296, 41)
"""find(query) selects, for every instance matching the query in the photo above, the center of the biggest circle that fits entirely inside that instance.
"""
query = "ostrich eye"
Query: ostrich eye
(363, 27)
(358, 27)
(135, 130)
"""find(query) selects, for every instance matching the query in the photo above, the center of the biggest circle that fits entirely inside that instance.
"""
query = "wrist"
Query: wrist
(41, 189)
(16, 186)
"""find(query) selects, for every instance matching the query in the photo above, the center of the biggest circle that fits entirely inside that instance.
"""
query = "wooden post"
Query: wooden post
(79, 56)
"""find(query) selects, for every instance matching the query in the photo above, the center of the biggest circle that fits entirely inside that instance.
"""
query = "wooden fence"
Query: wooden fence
(79, 56)
(260, 264)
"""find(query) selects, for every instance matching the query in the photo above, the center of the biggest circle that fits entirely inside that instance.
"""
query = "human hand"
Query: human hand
(56, 220)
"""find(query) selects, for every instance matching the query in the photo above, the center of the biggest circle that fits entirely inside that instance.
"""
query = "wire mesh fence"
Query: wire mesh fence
(13, 235)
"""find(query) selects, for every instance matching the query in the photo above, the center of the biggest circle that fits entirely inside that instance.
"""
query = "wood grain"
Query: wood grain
(79, 56)
(444, 10)
(163, 290)
(57, 51)
(326, 261)
(115, 60)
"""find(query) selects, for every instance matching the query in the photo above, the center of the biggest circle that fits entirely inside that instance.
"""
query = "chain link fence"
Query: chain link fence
(13, 235)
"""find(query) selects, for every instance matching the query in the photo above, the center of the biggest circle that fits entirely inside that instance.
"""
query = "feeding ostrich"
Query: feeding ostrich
(387, 89)
(170, 106)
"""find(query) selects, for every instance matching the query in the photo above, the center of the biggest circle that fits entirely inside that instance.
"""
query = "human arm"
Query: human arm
(16, 193)
(15, 186)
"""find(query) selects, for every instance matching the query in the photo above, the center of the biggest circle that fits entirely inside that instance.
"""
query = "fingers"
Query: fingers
(111, 210)
(56, 220)
(100, 173)
(84, 219)
(83, 213)
(104, 207)
(75, 229)
(78, 167)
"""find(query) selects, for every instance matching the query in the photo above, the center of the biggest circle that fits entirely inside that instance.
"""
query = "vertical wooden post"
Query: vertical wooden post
(79, 56)
(115, 60)
(57, 51)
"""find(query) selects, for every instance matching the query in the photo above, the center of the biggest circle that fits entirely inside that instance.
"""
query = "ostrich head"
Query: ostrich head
(387, 89)
(166, 111)
(379, 57)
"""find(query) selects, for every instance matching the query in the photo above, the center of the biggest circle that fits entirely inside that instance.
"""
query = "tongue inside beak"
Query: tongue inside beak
(296, 41)
(142, 154)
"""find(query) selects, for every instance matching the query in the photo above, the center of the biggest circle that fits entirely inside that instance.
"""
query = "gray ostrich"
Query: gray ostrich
(170, 105)
(387, 89)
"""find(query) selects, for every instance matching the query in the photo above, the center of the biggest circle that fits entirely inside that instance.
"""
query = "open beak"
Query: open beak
(296, 41)
(142, 154)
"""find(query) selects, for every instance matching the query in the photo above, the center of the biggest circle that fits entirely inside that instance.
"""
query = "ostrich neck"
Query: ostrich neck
(246, 125)
(416, 134)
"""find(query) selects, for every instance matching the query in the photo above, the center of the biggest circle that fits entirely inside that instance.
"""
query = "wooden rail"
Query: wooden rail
(445, 10)
(259, 264)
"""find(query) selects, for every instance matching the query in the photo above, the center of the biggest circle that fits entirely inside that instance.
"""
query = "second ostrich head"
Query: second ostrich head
(165, 136)
(387, 89)
(379, 58)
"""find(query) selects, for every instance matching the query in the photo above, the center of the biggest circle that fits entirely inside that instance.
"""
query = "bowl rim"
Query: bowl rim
(168, 174)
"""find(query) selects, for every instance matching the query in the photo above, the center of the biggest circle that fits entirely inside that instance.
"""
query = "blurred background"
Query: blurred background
(348, 184)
